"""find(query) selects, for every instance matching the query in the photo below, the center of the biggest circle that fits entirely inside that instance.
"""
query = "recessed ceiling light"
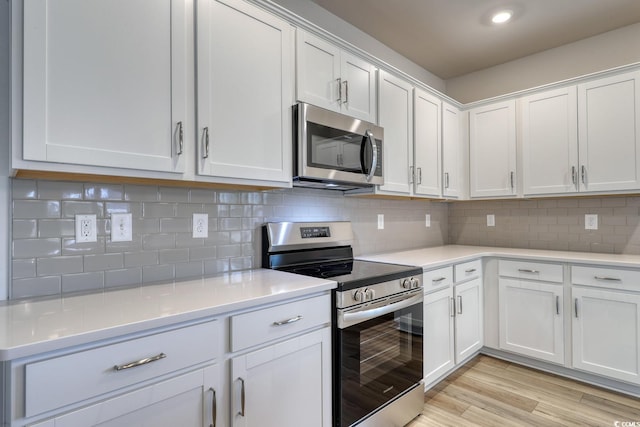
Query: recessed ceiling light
(501, 16)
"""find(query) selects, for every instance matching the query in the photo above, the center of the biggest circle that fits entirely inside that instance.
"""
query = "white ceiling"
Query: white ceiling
(451, 38)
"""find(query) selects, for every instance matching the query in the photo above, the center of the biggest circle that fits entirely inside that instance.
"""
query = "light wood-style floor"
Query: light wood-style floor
(492, 392)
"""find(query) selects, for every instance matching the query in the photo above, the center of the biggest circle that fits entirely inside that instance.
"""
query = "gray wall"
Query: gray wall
(605, 51)
(47, 260)
(556, 224)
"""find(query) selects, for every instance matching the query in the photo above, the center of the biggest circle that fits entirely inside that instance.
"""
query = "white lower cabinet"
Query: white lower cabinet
(283, 374)
(188, 400)
(606, 322)
(453, 318)
(469, 316)
(531, 309)
(164, 378)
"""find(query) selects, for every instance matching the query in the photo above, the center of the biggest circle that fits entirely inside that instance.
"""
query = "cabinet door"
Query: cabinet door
(469, 319)
(318, 79)
(531, 321)
(606, 333)
(609, 117)
(245, 81)
(550, 142)
(396, 117)
(185, 400)
(427, 142)
(451, 151)
(359, 87)
(492, 144)
(438, 354)
(105, 83)
(282, 384)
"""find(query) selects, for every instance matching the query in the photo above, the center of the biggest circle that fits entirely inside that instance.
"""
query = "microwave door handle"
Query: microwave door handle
(368, 135)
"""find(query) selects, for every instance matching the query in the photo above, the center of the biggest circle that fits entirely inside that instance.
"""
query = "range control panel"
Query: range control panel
(314, 232)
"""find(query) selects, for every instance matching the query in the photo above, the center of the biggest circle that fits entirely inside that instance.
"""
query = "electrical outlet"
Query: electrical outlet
(591, 221)
(380, 221)
(491, 220)
(200, 226)
(86, 229)
(427, 220)
(121, 227)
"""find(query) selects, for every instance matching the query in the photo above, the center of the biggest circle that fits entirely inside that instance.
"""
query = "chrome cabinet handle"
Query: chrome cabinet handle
(512, 180)
(286, 322)
(346, 92)
(574, 176)
(206, 142)
(526, 270)
(471, 270)
(608, 279)
(368, 135)
(339, 80)
(139, 362)
(446, 180)
(411, 174)
(459, 304)
(575, 306)
(583, 174)
(214, 408)
(180, 138)
(419, 175)
(241, 412)
(438, 280)
(452, 307)
(557, 305)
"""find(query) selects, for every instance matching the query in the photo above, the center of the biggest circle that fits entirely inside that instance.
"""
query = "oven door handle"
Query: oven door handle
(346, 319)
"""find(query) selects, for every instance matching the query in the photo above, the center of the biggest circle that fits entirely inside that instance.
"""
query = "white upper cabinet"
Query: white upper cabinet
(104, 83)
(245, 92)
(452, 159)
(609, 134)
(427, 143)
(334, 79)
(550, 142)
(492, 145)
(396, 117)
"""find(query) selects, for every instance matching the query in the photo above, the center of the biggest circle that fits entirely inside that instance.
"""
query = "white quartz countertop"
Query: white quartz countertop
(32, 327)
(443, 255)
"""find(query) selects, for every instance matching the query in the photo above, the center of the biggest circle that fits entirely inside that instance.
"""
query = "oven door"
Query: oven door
(378, 354)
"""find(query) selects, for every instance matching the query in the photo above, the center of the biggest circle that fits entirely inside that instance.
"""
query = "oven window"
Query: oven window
(379, 359)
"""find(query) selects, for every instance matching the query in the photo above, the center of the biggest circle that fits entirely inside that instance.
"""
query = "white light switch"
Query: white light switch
(491, 220)
(427, 220)
(121, 227)
(380, 221)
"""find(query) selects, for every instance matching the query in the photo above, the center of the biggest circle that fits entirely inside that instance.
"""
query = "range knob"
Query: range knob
(406, 283)
(370, 293)
(415, 283)
(359, 295)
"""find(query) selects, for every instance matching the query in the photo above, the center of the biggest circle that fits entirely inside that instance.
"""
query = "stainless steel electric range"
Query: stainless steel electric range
(377, 321)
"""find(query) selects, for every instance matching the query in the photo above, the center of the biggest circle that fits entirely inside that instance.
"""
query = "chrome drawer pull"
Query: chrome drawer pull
(286, 322)
(139, 362)
(523, 270)
(471, 270)
(459, 304)
(557, 305)
(180, 138)
(242, 398)
(439, 279)
(609, 279)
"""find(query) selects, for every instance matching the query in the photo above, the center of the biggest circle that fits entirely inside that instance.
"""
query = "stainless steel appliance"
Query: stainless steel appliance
(377, 322)
(335, 151)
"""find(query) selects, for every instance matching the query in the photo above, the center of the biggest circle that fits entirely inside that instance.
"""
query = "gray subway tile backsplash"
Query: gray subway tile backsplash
(48, 261)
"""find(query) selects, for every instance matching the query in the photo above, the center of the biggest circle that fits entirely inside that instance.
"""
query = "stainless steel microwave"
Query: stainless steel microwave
(335, 151)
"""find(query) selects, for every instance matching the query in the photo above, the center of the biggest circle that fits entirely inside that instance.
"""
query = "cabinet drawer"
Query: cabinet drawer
(63, 380)
(468, 270)
(613, 278)
(437, 279)
(540, 271)
(261, 326)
